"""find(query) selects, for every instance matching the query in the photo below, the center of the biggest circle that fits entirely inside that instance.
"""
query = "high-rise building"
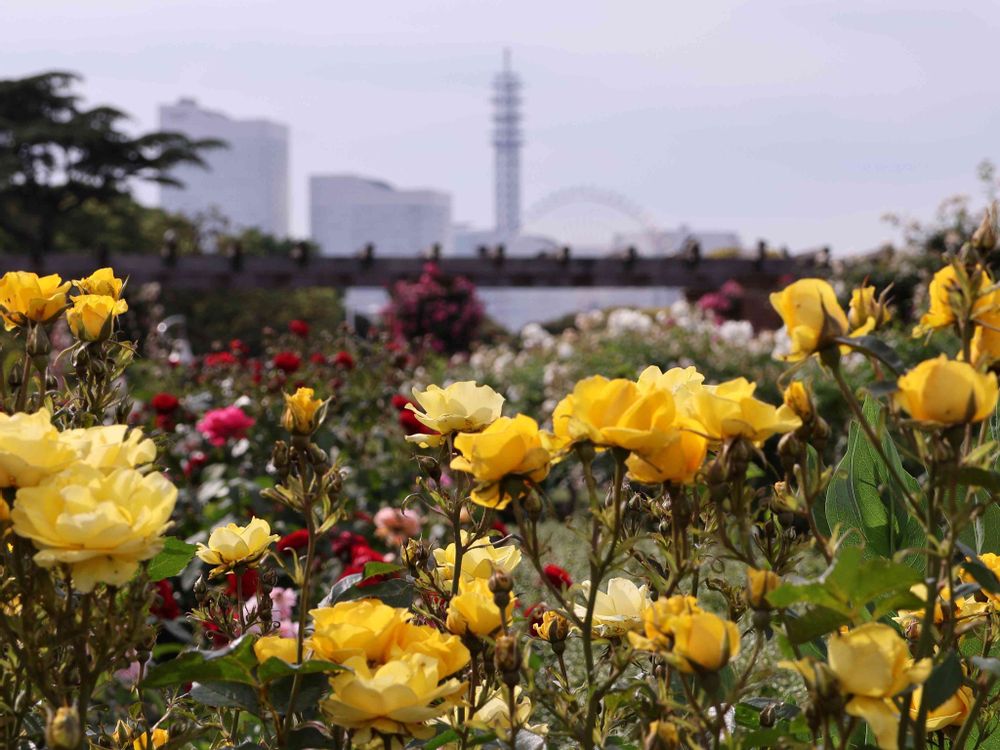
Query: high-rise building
(347, 212)
(246, 182)
(507, 143)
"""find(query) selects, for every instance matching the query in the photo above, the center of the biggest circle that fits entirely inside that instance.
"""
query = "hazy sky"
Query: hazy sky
(801, 122)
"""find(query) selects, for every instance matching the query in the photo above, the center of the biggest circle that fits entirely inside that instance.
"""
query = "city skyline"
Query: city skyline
(835, 114)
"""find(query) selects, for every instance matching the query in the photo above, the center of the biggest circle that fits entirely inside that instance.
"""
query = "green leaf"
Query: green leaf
(227, 695)
(312, 687)
(975, 476)
(274, 668)
(877, 348)
(396, 592)
(310, 738)
(171, 560)
(944, 680)
(373, 569)
(864, 501)
(230, 664)
(813, 623)
(449, 735)
(340, 588)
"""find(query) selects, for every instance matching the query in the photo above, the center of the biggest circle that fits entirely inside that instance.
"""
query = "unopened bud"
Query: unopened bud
(430, 467)
(63, 732)
(507, 658)
(500, 584)
(279, 456)
(200, 588)
(984, 238)
(532, 505)
(414, 555)
(38, 344)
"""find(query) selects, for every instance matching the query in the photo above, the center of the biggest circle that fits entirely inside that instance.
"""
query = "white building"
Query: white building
(246, 182)
(347, 212)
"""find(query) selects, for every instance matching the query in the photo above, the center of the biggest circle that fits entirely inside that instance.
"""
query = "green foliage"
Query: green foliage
(171, 560)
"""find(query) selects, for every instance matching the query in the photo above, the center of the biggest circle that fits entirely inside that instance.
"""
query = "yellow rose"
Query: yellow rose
(110, 446)
(703, 642)
(102, 281)
(448, 649)
(286, 649)
(159, 738)
(364, 627)
(617, 611)
(992, 562)
(301, 411)
(399, 698)
(92, 316)
(797, 398)
(872, 664)
(494, 714)
(951, 713)
(729, 410)
(948, 296)
(811, 314)
(657, 630)
(473, 611)
(31, 449)
(232, 545)
(102, 525)
(662, 735)
(461, 407)
(553, 628)
(867, 312)
(25, 296)
(985, 349)
(760, 583)
(678, 460)
(948, 392)
(479, 559)
(508, 448)
(595, 404)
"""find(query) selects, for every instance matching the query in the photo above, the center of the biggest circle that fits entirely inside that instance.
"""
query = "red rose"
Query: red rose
(164, 403)
(287, 361)
(299, 328)
(249, 582)
(219, 359)
(317, 359)
(399, 401)
(361, 555)
(165, 422)
(194, 462)
(412, 426)
(557, 576)
(344, 359)
(533, 615)
(345, 542)
(237, 345)
(297, 540)
(165, 606)
(500, 527)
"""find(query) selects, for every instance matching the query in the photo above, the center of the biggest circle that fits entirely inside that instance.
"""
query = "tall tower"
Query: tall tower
(507, 146)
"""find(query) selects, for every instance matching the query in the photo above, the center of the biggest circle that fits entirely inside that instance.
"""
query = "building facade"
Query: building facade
(247, 182)
(348, 212)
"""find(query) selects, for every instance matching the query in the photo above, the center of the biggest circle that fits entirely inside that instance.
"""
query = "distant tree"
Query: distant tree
(58, 160)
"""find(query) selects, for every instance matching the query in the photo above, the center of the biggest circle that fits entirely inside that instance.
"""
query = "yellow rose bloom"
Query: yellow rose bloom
(729, 410)
(110, 446)
(102, 525)
(508, 448)
(866, 311)
(872, 664)
(947, 297)
(24, 296)
(31, 449)
(992, 562)
(945, 391)
(760, 583)
(364, 627)
(657, 630)
(985, 348)
(553, 628)
(703, 642)
(92, 316)
(231, 545)
(595, 404)
(678, 460)
(286, 649)
(399, 698)
(473, 611)
(461, 407)
(663, 735)
(448, 649)
(158, 737)
(103, 282)
(300, 411)
(797, 398)
(951, 713)
(480, 558)
(619, 610)
(494, 714)
(811, 314)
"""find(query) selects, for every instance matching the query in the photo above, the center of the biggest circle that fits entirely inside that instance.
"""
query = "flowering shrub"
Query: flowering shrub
(727, 585)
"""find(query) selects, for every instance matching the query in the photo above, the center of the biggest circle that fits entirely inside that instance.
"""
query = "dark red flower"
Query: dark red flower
(412, 426)
(399, 401)
(287, 361)
(236, 345)
(317, 359)
(344, 359)
(361, 555)
(533, 615)
(557, 576)
(344, 542)
(194, 462)
(296, 540)
(165, 606)
(249, 582)
(165, 422)
(299, 327)
(500, 527)
(219, 359)
(164, 403)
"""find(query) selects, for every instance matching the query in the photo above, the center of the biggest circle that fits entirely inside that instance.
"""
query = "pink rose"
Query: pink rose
(220, 425)
(396, 526)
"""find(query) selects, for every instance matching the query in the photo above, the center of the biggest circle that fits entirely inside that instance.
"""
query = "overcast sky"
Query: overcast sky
(800, 122)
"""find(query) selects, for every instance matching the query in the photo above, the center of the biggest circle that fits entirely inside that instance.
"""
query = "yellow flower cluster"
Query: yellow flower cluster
(81, 497)
(399, 676)
(27, 298)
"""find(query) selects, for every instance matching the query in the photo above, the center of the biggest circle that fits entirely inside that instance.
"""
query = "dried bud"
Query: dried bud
(507, 658)
(500, 584)
(200, 588)
(532, 505)
(38, 344)
(63, 732)
(414, 555)
(984, 238)
(430, 467)
(279, 456)
(318, 458)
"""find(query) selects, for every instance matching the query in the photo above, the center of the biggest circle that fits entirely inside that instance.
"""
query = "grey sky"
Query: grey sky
(802, 122)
